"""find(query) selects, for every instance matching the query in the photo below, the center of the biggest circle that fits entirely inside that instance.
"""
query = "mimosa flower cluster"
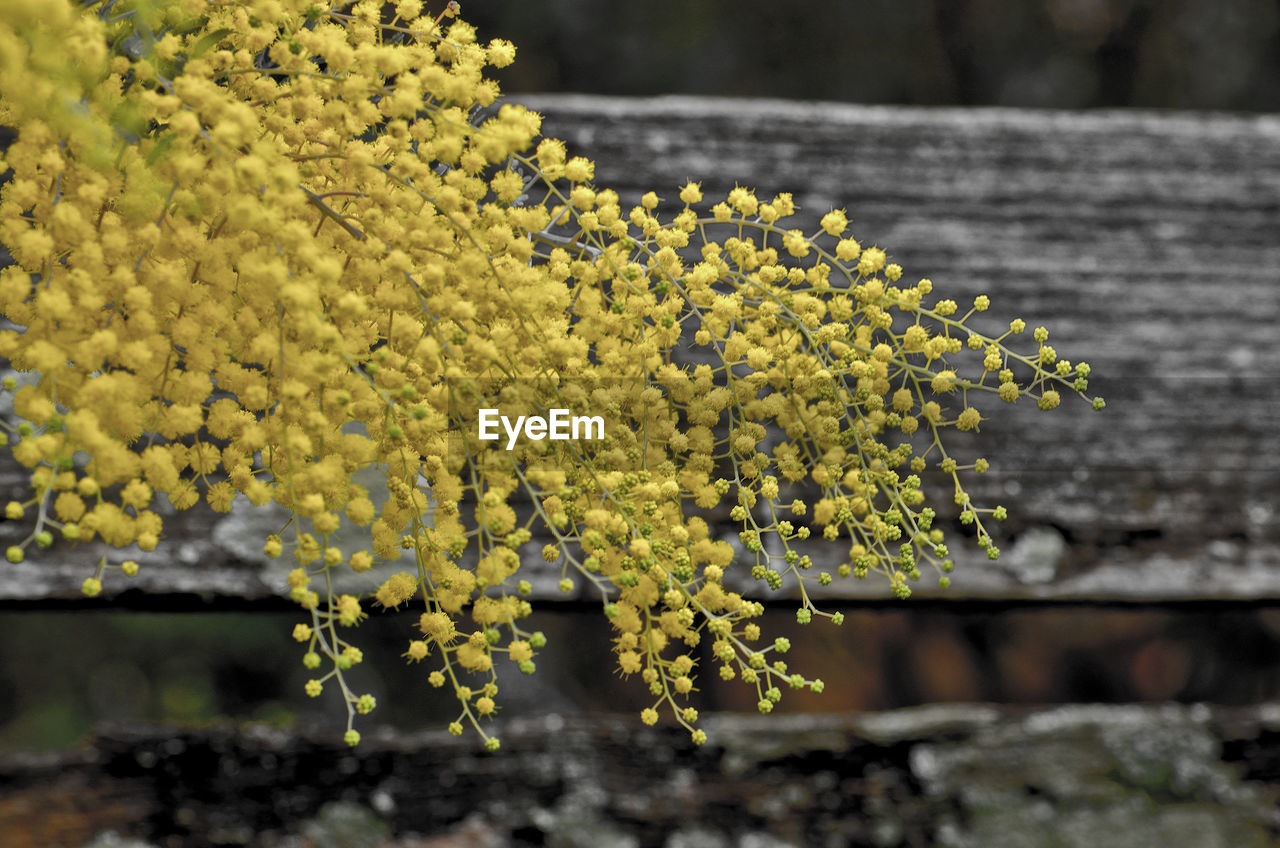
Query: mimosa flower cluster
(262, 245)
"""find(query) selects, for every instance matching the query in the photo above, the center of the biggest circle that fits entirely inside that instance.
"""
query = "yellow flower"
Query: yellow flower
(397, 589)
(348, 610)
(356, 296)
(501, 53)
(744, 201)
(870, 261)
(834, 223)
(943, 382)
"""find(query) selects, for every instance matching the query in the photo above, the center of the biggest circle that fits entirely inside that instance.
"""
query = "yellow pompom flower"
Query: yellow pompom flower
(744, 201)
(501, 53)
(870, 261)
(348, 610)
(834, 223)
(397, 589)
(943, 382)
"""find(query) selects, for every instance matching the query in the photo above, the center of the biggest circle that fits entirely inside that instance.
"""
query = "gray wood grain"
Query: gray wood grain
(1148, 242)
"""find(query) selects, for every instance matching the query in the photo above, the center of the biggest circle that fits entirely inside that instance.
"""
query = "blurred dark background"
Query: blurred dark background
(1164, 54)
(62, 673)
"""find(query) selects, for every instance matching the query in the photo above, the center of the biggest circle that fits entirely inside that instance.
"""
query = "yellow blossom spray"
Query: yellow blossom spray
(262, 245)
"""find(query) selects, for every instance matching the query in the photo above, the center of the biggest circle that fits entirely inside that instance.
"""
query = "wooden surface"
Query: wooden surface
(955, 775)
(1150, 245)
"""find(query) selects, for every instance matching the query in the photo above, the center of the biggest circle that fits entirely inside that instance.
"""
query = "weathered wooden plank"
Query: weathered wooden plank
(1146, 241)
(957, 775)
